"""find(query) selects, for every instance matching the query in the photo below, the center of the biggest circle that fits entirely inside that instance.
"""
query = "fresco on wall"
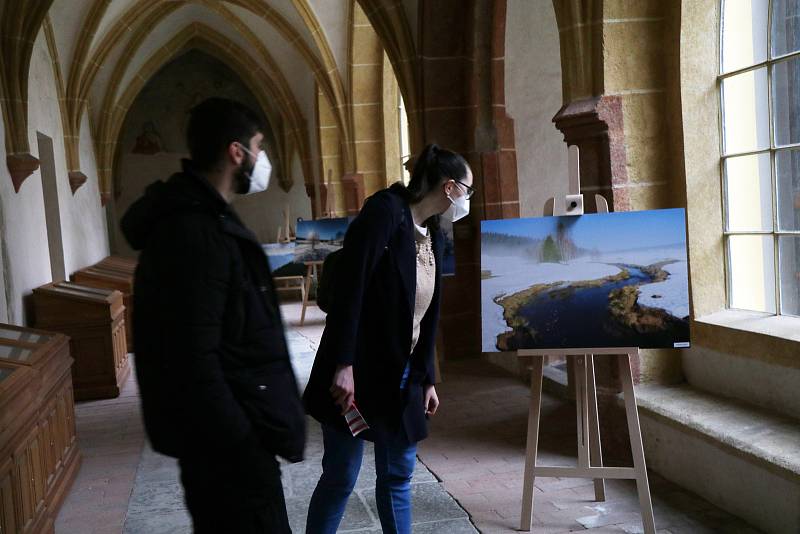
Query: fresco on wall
(165, 100)
(157, 121)
(149, 140)
(599, 280)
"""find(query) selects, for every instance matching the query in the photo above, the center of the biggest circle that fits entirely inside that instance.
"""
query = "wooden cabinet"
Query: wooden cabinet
(94, 320)
(118, 264)
(111, 278)
(39, 456)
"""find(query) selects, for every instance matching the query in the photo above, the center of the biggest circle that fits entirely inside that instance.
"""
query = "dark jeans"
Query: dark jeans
(395, 459)
(237, 494)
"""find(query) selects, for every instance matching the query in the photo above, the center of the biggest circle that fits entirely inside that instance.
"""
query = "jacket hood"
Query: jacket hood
(183, 192)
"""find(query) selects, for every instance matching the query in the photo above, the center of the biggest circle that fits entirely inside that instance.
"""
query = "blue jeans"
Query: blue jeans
(394, 465)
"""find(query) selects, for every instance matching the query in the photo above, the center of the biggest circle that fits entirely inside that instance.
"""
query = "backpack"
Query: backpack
(327, 280)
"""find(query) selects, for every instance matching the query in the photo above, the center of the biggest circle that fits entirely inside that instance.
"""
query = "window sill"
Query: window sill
(780, 326)
(755, 335)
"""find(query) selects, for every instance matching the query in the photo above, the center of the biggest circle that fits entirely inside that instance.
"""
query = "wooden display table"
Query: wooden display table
(95, 320)
(108, 278)
(39, 456)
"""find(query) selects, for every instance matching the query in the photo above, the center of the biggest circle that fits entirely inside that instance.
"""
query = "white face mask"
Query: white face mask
(260, 175)
(459, 208)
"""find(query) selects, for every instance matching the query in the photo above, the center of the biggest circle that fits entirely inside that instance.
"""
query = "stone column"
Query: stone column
(354, 193)
(499, 165)
(462, 79)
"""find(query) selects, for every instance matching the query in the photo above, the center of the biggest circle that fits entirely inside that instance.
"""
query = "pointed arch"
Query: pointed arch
(390, 23)
(202, 37)
(20, 22)
(147, 13)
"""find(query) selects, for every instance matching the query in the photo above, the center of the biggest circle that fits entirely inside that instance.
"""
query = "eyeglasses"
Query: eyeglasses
(470, 190)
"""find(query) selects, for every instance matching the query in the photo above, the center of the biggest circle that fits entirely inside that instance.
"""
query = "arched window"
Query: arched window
(405, 145)
(760, 116)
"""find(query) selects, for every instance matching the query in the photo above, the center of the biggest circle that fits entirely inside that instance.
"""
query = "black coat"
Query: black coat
(370, 321)
(211, 356)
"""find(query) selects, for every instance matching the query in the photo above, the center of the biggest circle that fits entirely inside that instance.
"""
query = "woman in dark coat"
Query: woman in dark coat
(377, 351)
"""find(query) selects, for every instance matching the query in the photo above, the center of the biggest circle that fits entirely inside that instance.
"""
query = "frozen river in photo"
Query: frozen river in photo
(567, 317)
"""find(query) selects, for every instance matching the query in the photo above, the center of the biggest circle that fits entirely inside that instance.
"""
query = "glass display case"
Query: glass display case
(94, 320)
(38, 447)
(111, 276)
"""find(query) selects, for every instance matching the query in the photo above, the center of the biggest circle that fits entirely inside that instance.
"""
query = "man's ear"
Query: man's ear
(235, 153)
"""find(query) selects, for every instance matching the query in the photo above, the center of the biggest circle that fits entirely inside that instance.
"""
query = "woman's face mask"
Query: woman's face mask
(459, 207)
(257, 178)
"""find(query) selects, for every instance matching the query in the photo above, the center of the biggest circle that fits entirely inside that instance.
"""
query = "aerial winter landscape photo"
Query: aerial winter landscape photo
(449, 256)
(317, 239)
(598, 280)
(281, 258)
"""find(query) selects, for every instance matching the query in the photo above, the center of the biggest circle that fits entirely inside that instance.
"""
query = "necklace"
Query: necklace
(425, 253)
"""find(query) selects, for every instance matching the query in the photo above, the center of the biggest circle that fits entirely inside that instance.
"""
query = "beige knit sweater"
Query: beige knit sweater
(426, 280)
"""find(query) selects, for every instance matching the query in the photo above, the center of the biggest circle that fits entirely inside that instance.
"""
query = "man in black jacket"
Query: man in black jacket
(217, 387)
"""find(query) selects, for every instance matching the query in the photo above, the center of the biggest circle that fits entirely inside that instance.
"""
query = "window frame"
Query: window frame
(773, 149)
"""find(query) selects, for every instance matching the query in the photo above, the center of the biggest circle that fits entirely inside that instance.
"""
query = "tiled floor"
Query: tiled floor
(476, 449)
(110, 440)
(125, 487)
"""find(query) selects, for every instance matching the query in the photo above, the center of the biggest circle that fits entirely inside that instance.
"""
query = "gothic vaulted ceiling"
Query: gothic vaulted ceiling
(286, 50)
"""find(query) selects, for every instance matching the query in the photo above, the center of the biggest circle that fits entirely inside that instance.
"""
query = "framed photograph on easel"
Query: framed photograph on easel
(596, 280)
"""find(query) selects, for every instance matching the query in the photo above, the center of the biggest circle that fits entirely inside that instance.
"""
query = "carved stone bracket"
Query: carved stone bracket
(20, 22)
(595, 126)
(76, 179)
(20, 166)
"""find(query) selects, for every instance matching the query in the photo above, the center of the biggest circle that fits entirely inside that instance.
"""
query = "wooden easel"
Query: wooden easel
(314, 268)
(590, 456)
(285, 234)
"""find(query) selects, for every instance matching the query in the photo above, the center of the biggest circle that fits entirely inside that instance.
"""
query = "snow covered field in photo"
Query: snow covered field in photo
(304, 251)
(511, 274)
(673, 292)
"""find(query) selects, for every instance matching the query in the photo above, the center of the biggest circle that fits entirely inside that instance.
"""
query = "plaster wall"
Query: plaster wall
(263, 212)
(26, 254)
(758, 382)
(532, 55)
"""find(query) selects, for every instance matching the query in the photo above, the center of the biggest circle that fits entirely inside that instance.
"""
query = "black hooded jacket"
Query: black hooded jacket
(370, 322)
(211, 356)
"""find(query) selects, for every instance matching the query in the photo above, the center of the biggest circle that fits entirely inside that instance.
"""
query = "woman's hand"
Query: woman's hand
(431, 400)
(343, 388)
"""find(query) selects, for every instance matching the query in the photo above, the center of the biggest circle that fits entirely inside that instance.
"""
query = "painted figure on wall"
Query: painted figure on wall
(149, 141)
